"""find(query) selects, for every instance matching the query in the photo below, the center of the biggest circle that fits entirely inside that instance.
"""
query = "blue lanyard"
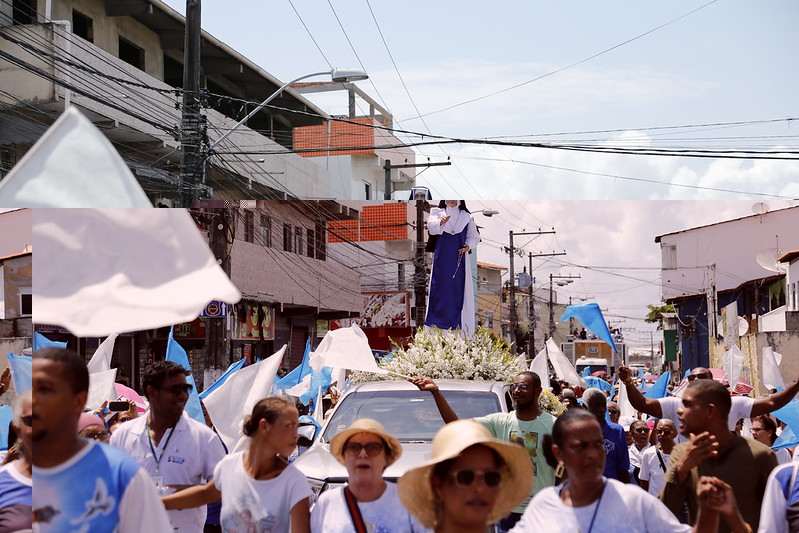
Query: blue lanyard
(157, 459)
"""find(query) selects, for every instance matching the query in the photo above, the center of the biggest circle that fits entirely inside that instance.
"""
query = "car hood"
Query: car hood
(318, 463)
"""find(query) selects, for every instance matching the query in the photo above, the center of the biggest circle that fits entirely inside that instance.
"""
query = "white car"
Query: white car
(407, 413)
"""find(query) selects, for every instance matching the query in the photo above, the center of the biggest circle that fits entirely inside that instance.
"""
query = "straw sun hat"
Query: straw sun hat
(365, 425)
(415, 487)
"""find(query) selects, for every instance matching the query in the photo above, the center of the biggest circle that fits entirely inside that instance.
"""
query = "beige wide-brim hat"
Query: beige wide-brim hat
(365, 425)
(415, 487)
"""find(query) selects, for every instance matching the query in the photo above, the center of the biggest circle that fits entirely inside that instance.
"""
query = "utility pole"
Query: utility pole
(387, 167)
(552, 302)
(191, 124)
(419, 266)
(712, 308)
(531, 345)
(220, 233)
(514, 318)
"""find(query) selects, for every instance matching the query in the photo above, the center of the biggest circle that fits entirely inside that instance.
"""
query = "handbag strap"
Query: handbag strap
(660, 458)
(355, 511)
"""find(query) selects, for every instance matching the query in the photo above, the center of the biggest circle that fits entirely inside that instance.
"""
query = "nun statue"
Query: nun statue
(450, 303)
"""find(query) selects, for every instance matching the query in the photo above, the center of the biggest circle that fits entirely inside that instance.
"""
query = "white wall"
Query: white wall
(732, 246)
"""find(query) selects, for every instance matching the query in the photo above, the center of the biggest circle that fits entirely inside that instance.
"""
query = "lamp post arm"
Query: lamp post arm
(261, 106)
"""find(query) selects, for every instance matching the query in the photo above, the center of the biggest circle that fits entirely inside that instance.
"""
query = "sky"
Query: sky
(615, 238)
(634, 74)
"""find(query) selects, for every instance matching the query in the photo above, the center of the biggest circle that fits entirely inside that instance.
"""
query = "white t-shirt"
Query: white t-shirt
(783, 456)
(383, 515)
(773, 511)
(99, 489)
(623, 508)
(262, 505)
(635, 454)
(652, 471)
(741, 408)
(192, 452)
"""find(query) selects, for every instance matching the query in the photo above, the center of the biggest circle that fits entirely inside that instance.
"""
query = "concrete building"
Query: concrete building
(731, 265)
(121, 64)
(489, 296)
(16, 282)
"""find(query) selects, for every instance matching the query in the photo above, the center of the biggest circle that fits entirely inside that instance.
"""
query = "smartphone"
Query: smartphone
(119, 406)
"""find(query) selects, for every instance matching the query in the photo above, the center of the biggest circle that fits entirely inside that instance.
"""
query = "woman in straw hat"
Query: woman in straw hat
(367, 503)
(260, 491)
(472, 480)
(589, 502)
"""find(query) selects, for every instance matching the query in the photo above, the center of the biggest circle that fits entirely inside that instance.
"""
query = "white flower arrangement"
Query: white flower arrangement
(443, 354)
(549, 402)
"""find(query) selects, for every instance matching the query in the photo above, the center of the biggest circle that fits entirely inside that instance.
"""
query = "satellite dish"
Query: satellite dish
(760, 208)
(743, 326)
(768, 259)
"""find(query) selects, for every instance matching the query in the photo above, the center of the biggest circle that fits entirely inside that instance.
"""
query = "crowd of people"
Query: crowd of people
(683, 469)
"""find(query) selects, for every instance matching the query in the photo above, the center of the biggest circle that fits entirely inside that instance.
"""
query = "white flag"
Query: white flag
(733, 364)
(235, 398)
(319, 412)
(772, 377)
(113, 270)
(101, 360)
(72, 165)
(626, 409)
(101, 388)
(562, 366)
(540, 366)
(345, 348)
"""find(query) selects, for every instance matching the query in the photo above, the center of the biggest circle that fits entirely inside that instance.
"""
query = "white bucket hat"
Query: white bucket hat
(415, 487)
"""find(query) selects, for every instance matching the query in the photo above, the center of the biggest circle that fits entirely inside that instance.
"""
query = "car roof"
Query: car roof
(443, 384)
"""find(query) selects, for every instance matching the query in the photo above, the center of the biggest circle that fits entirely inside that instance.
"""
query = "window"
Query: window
(311, 234)
(249, 226)
(130, 53)
(489, 318)
(23, 11)
(82, 26)
(367, 191)
(321, 241)
(298, 240)
(266, 230)
(669, 255)
(286, 237)
(25, 301)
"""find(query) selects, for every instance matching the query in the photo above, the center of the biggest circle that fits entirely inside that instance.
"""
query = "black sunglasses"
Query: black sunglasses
(177, 389)
(692, 377)
(521, 386)
(613, 411)
(27, 420)
(466, 478)
(372, 448)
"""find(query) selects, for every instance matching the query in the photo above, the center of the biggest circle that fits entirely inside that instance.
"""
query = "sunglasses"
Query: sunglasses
(521, 386)
(613, 411)
(178, 389)
(27, 420)
(372, 448)
(466, 478)
(663, 432)
(97, 435)
(692, 377)
(641, 430)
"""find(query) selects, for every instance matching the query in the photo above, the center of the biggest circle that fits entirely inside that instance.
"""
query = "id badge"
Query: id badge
(159, 483)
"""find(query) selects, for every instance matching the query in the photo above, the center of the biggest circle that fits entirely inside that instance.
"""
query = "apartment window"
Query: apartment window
(286, 237)
(25, 301)
(668, 255)
(130, 53)
(266, 230)
(82, 26)
(311, 242)
(367, 191)
(23, 11)
(298, 248)
(321, 241)
(249, 226)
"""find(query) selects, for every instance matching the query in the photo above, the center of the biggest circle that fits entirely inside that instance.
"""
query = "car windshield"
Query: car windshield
(409, 415)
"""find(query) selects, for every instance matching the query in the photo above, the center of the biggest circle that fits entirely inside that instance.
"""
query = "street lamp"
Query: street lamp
(340, 75)
(487, 212)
